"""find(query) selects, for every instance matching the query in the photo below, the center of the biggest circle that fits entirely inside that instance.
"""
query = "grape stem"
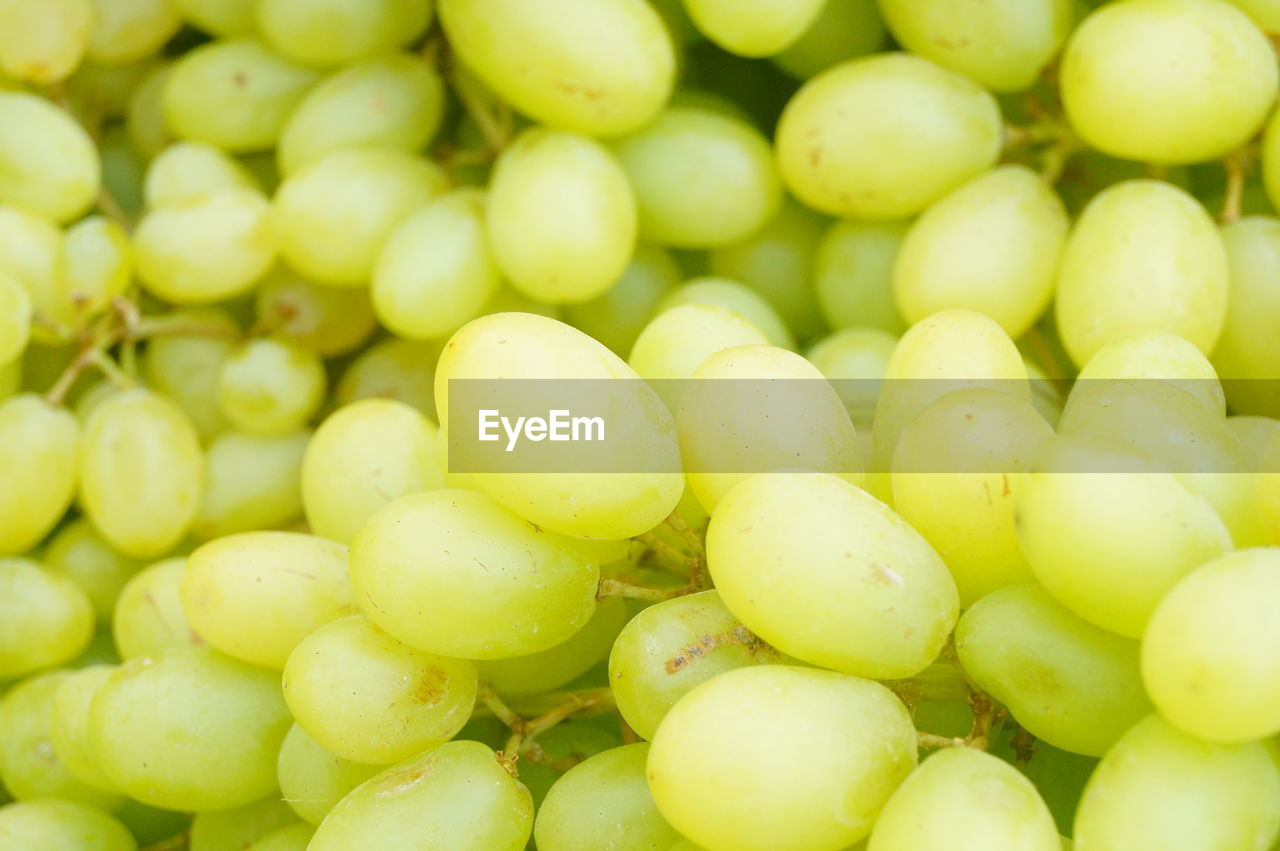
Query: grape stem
(697, 574)
(668, 556)
(1235, 165)
(525, 732)
(492, 117)
(173, 843)
(632, 591)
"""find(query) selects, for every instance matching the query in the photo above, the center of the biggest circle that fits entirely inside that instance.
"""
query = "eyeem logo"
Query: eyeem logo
(558, 425)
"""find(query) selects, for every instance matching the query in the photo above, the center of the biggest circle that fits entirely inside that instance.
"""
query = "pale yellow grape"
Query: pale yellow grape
(15, 318)
(106, 90)
(185, 368)
(885, 136)
(256, 595)
(452, 572)
(96, 265)
(43, 825)
(185, 172)
(251, 482)
(1067, 682)
(448, 798)
(189, 729)
(617, 317)
(38, 451)
(1144, 256)
(772, 757)
(395, 102)
(92, 397)
(69, 724)
(1160, 789)
(672, 647)
(602, 67)
(561, 216)
(1146, 531)
(1265, 13)
(335, 32)
(219, 17)
(954, 473)
(1268, 491)
(126, 31)
(756, 27)
(30, 247)
(236, 94)
(325, 320)
(47, 620)
(1211, 651)
(337, 213)
(141, 472)
(78, 552)
(735, 297)
(1256, 434)
(396, 369)
(853, 275)
(145, 125)
(1248, 352)
(991, 246)
(148, 618)
(844, 29)
(1168, 81)
(269, 387)
(43, 42)
(48, 164)
(702, 179)
(312, 779)
(10, 377)
(830, 575)
(965, 800)
(855, 360)
(436, 272)
(238, 827)
(1158, 356)
(677, 341)
(295, 837)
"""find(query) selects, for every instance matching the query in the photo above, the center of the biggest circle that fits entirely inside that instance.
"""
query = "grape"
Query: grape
(863, 593)
(856, 361)
(1168, 81)
(1268, 491)
(44, 42)
(43, 825)
(38, 449)
(148, 617)
(30, 246)
(219, 17)
(1158, 355)
(617, 317)
(145, 124)
(940, 806)
(96, 265)
(1265, 13)
(400, 370)
(237, 828)
(754, 28)
(295, 837)
(1144, 256)
(775, 757)
(436, 272)
(561, 217)
(844, 29)
(47, 620)
(677, 341)
(186, 172)
(991, 246)
(189, 729)
(1256, 434)
(313, 779)
(734, 297)
(78, 552)
(325, 320)
(885, 136)
(1248, 351)
(15, 318)
(126, 31)
(1159, 788)
(495, 586)
(250, 483)
(268, 387)
(48, 164)
(335, 32)
(69, 724)
(853, 275)
(10, 377)
(185, 368)
(602, 67)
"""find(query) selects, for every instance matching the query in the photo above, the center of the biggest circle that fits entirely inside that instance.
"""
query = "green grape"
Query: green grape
(250, 483)
(393, 102)
(754, 28)
(234, 94)
(335, 32)
(325, 320)
(29, 765)
(96, 265)
(78, 552)
(256, 595)
(436, 272)
(1268, 491)
(397, 701)
(44, 42)
(734, 297)
(617, 317)
(15, 318)
(702, 179)
(1159, 788)
(1067, 682)
(1168, 81)
(219, 17)
(496, 586)
(991, 246)
(295, 837)
(312, 779)
(561, 217)
(844, 29)
(451, 797)
(189, 729)
(47, 620)
(69, 725)
(400, 370)
(885, 136)
(185, 368)
(335, 215)
(99, 91)
(773, 757)
(48, 164)
(539, 673)
(45, 825)
(10, 378)
(603, 804)
(186, 172)
(602, 67)
(826, 573)
(145, 124)
(677, 341)
(1256, 434)
(30, 246)
(856, 361)
(853, 275)
(126, 31)
(1248, 350)
(1144, 256)
(966, 800)
(236, 829)
(1146, 531)
(91, 398)
(1210, 655)
(141, 472)
(777, 262)
(38, 449)
(148, 618)
(955, 470)
(269, 387)
(1157, 355)
(672, 647)
(1265, 13)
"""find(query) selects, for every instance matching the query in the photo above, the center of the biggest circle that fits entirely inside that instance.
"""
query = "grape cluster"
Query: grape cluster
(986, 557)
